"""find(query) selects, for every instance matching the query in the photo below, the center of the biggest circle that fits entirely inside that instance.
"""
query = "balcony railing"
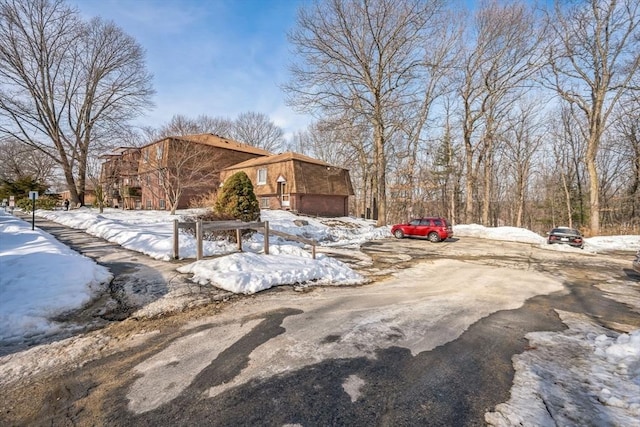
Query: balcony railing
(130, 191)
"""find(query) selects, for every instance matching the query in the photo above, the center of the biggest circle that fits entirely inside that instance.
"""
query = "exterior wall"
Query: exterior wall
(322, 205)
(119, 179)
(299, 177)
(153, 157)
(89, 197)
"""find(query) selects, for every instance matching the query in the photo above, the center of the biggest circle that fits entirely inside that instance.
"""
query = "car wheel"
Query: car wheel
(399, 234)
(433, 237)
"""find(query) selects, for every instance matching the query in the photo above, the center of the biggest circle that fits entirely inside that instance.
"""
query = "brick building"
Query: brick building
(296, 182)
(180, 168)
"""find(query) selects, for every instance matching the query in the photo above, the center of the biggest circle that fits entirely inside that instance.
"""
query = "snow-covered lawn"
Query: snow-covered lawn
(41, 278)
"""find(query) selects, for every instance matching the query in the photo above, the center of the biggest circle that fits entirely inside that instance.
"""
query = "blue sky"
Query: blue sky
(213, 57)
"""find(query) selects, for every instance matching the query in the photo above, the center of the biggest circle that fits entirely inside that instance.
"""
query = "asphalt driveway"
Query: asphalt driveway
(429, 341)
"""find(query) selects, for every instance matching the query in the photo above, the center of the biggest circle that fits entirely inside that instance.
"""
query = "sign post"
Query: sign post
(33, 195)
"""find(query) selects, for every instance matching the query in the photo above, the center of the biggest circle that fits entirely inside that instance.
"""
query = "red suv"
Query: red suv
(434, 229)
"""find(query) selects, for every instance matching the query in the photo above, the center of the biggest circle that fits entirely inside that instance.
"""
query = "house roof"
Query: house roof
(217, 141)
(117, 152)
(277, 158)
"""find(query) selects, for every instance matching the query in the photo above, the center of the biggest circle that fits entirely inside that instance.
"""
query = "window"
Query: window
(264, 203)
(146, 156)
(262, 176)
(149, 204)
(160, 178)
(159, 152)
(162, 206)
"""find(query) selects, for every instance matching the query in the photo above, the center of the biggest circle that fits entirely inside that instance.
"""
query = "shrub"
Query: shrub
(210, 215)
(237, 199)
(45, 202)
(203, 200)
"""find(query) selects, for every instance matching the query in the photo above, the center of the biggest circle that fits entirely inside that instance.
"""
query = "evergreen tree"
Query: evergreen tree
(237, 199)
(20, 187)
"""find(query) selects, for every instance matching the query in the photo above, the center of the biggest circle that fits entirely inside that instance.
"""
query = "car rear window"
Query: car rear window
(425, 222)
(566, 231)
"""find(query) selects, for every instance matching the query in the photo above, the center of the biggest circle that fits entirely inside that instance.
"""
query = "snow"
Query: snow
(595, 370)
(250, 273)
(510, 234)
(42, 278)
(514, 234)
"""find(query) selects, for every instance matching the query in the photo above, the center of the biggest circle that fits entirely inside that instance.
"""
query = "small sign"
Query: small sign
(33, 195)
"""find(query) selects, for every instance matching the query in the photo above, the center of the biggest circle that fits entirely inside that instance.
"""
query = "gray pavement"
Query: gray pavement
(432, 346)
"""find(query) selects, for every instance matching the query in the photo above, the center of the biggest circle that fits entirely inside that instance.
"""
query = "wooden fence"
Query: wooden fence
(200, 227)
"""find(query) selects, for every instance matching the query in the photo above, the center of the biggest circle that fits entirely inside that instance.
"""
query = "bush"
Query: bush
(203, 200)
(210, 215)
(237, 199)
(45, 202)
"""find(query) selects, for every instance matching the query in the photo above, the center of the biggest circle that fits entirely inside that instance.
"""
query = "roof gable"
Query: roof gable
(217, 141)
(277, 158)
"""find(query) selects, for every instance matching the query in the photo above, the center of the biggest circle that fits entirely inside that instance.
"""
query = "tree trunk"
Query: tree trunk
(470, 180)
(594, 188)
(382, 192)
(567, 199)
(486, 196)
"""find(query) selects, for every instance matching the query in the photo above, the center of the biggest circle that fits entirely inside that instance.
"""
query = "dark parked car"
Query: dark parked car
(566, 235)
(434, 229)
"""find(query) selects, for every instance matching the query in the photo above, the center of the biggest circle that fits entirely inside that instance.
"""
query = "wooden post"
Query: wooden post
(266, 237)
(239, 238)
(313, 251)
(199, 239)
(176, 248)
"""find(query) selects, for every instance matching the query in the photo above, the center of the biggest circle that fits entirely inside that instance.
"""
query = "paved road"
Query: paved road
(430, 345)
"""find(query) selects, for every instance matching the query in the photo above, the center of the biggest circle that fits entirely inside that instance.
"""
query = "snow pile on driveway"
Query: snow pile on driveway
(509, 234)
(582, 376)
(250, 273)
(514, 234)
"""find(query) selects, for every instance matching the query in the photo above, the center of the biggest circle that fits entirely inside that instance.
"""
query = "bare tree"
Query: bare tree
(628, 128)
(361, 60)
(181, 125)
(567, 167)
(344, 146)
(521, 144)
(503, 56)
(18, 160)
(594, 60)
(179, 169)
(258, 130)
(415, 120)
(66, 83)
